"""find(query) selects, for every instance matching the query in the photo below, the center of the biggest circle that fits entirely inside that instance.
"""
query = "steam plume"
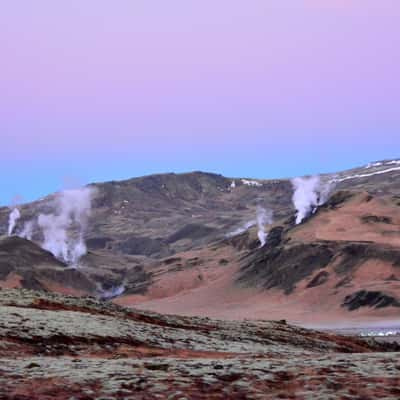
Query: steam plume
(64, 231)
(325, 189)
(309, 193)
(114, 291)
(27, 230)
(264, 217)
(241, 229)
(14, 216)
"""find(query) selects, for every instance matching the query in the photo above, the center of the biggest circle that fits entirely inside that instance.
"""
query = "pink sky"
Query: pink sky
(259, 88)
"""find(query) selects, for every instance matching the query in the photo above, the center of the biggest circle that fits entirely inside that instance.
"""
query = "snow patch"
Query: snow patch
(251, 183)
(376, 164)
(346, 178)
(394, 162)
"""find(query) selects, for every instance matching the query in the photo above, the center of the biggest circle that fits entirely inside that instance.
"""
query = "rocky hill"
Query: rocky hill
(159, 215)
(25, 264)
(347, 255)
(187, 244)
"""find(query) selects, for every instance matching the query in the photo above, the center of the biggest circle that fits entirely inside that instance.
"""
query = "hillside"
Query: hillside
(187, 244)
(57, 347)
(158, 215)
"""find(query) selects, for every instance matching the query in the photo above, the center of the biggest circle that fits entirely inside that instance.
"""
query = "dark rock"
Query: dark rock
(33, 365)
(364, 298)
(337, 199)
(375, 219)
(172, 260)
(275, 236)
(18, 252)
(136, 245)
(98, 243)
(157, 367)
(354, 254)
(283, 267)
(319, 279)
(5, 268)
(191, 231)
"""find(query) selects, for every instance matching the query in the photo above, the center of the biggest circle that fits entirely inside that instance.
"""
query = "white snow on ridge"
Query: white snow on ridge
(376, 164)
(346, 178)
(382, 163)
(394, 162)
(251, 183)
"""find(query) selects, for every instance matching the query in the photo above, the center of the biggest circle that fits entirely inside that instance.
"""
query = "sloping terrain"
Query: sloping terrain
(187, 244)
(340, 266)
(57, 347)
(158, 215)
(345, 257)
(24, 264)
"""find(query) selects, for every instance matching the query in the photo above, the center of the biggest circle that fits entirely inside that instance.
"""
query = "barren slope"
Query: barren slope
(335, 268)
(158, 215)
(161, 241)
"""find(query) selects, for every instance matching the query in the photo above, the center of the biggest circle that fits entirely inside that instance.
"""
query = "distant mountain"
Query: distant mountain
(187, 243)
(158, 215)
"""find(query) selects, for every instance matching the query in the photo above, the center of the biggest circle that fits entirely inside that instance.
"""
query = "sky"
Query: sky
(100, 90)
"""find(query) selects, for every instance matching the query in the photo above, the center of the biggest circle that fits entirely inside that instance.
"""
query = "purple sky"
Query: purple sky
(97, 90)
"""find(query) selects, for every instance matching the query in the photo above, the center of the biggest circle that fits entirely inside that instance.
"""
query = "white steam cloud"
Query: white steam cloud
(64, 231)
(264, 217)
(241, 229)
(325, 190)
(27, 230)
(309, 193)
(14, 216)
(114, 291)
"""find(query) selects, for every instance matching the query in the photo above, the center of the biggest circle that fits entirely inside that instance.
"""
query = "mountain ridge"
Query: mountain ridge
(179, 243)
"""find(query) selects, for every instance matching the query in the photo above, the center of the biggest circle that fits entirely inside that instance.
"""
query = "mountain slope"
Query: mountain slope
(186, 243)
(342, 264)
(158, 215)
(23, 264)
